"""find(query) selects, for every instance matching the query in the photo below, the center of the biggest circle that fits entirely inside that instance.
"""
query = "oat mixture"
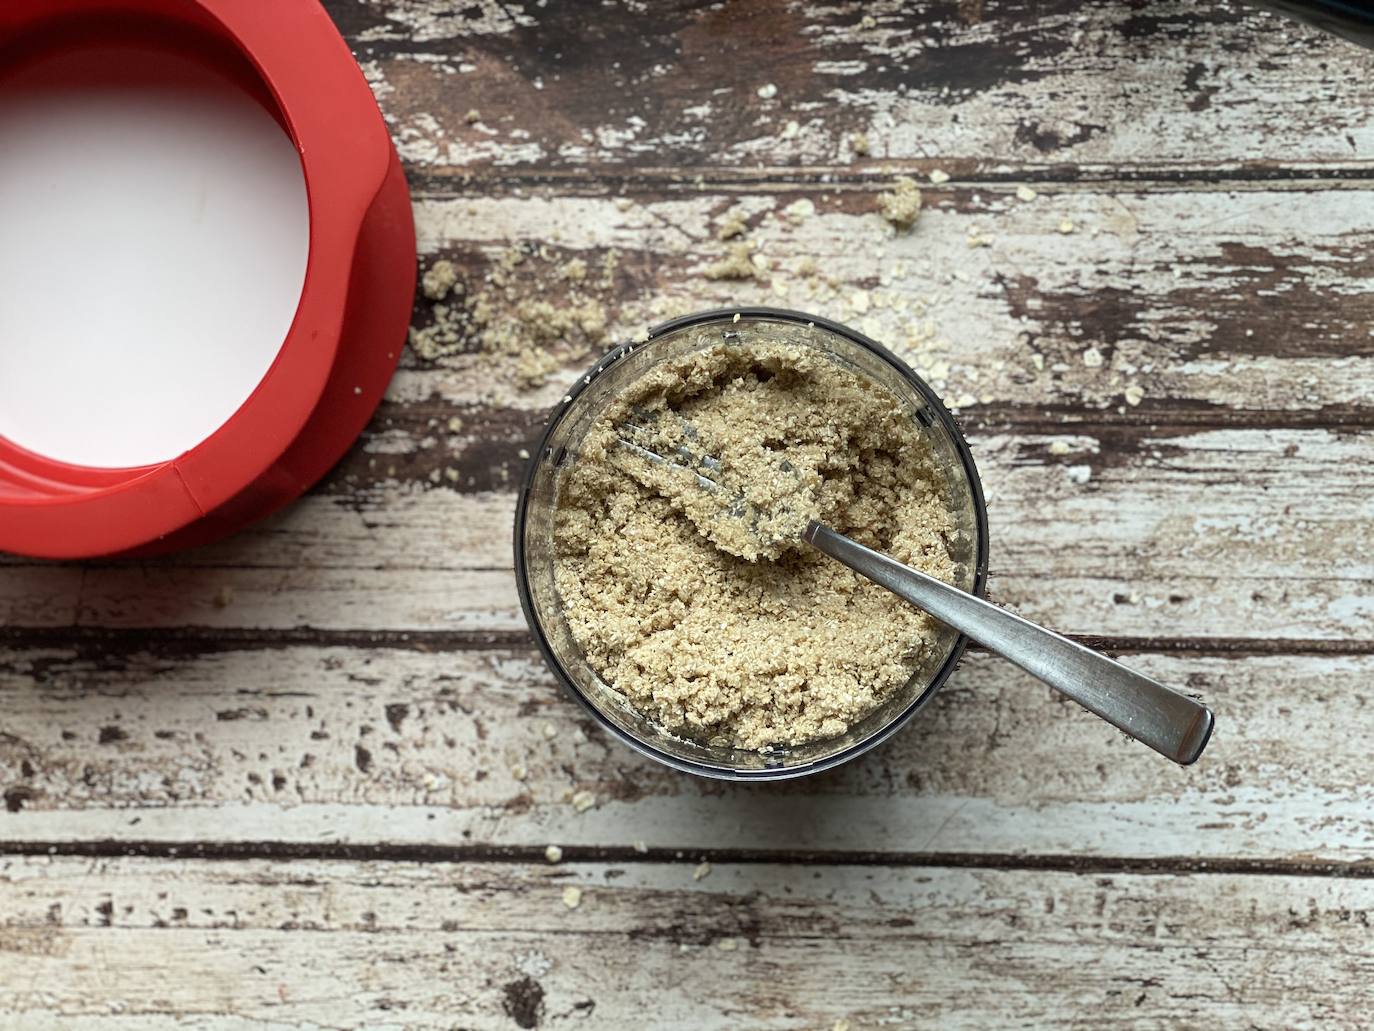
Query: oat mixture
(702, 606)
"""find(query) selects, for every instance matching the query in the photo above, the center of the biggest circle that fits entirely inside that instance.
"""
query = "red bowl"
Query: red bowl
(354, 309)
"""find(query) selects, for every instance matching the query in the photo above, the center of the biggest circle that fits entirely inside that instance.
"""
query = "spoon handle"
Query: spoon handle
(1172, 724)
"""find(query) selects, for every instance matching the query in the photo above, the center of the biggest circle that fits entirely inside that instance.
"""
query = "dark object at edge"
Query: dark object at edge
(1353, 19)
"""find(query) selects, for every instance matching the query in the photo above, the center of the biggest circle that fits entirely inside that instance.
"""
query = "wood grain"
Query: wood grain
(975, 88)
(1133, 532)
(140, 943)
(405, 746)
(335, 758)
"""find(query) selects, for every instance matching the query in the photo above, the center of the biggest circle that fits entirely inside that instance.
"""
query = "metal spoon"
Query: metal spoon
(1173, 724)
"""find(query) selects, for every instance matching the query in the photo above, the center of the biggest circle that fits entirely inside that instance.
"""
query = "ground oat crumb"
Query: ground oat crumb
(730, 631)
(1066, 226)
(553, 854)
(455, 424)
(840, 1025)
(902, 205)
(549, 731)
(858, 143)
(738, 263)
(728, 944)
(573, 270)
(767, 91)
(519, 772)
(1025, 193)
(441, 339)
(583, 800)
(572, 897)
(799, 211)
(473, 116)
(1059, 447)
(702, 870)
(731, 226)
(1134, 395)
(438, 280)
(939, 176)
(641, 847)
(1092, 358)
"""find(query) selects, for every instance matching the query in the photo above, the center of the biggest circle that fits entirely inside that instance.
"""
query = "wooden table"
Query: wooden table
(305, 779)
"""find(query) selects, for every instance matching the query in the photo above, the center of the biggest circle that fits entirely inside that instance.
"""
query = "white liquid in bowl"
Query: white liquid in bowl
(154, 231)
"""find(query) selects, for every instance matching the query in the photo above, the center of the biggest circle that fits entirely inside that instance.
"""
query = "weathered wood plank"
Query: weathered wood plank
(969, 87)
(1252, 299)
(136, 943)
(1129, 532)
(408, 747)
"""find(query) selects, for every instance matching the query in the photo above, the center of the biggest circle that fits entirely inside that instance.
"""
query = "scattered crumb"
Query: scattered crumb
(572, 897)
(1066, 227)
(583, 800)
(1058, 447)
(737, 264)
(519, 772)
(434, 781)
(858, 300)
(790, 130)
(799, 211)
(768, 91)
(858, 143)
(1134, 395)
(702, 870)
(640, 847)
(455, 424)
(939, 176)
(1025, 193)
(573, 271)
(1038, 360)
(902, 205)
(868, 22)
(524, 454)
(728, 944)
(731, 226)
(1079, 474)
(1092, 358)
(223, 598)
(977, 239)
(438, 280)
(623, 204)
(549, 731)
(553, 854)
(736, 318)
(442, 338)
(840, 1025)
(473, 116)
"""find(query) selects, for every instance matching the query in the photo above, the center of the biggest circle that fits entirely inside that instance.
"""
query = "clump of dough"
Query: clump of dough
(902, 204)
(717, 627)
(438, 280)
(738, 263)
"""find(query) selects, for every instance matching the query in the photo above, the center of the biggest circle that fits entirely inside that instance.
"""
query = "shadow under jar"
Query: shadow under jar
(535, 552)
